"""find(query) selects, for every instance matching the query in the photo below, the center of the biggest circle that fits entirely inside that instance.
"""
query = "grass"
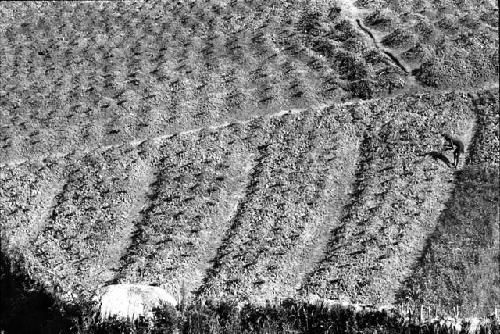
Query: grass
(232, 211)
(457, 266)
(37, 312)
(163, 155)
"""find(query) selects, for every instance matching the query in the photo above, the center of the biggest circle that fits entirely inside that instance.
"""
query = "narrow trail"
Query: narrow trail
(137, 142)
(157, 139)
(354, 13)
(368, 32)
(388, 53)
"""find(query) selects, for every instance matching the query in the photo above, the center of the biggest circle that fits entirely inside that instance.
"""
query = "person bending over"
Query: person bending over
(454, 144)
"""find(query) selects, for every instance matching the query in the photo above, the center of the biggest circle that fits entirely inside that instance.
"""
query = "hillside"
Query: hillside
(250, 151)
(82, 76)
(295, 202)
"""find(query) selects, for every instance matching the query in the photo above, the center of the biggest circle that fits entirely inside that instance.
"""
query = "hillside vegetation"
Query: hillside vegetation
(337, 202)
(459, 264)
(246, 151)
(80, 76)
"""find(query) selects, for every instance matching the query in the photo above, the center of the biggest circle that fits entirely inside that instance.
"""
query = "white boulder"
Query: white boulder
(130, 301)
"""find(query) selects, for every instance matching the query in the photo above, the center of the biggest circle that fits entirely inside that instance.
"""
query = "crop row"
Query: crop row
(103, 74)
(199, 183)
(337, 202)
(297, 187)
(88, 221)
(397, 197)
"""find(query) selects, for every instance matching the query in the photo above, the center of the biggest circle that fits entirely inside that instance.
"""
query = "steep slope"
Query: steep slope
(297, 190)
(459, 265)
(149, 68)
(335, 202)
(200, 179)
(252, 150)
(399, 192)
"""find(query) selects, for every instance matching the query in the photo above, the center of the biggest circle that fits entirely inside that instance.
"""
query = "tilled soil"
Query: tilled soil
(253, 151)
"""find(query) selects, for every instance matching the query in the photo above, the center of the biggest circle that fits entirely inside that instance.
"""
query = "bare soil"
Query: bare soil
(250, 151)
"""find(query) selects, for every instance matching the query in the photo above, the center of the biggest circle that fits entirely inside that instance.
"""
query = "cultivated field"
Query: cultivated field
(247, 151)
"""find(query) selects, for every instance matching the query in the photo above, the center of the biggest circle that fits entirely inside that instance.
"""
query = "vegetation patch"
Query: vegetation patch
(254, 151)
(383, 20)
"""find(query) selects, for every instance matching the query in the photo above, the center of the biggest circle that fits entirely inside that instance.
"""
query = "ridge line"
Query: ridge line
(137, 142)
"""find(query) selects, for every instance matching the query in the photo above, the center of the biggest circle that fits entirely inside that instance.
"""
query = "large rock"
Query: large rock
(130, 301)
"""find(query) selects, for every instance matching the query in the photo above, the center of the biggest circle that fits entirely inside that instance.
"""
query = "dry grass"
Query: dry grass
(156, 149)
(293, 203)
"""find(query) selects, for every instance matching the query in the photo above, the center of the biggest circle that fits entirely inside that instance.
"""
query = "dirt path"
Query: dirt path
(137, 142)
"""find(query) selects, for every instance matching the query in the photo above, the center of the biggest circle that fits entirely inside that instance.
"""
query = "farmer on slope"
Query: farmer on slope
(453, 144)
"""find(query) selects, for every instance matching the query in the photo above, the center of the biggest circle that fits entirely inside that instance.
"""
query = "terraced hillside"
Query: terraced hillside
(459, 264)
(250, 151)
(83, 76)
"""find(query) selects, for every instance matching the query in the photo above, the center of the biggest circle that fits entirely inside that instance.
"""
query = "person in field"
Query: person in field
(454, 144)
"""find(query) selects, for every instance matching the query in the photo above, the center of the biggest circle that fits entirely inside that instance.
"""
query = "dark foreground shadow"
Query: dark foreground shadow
(26, 308)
